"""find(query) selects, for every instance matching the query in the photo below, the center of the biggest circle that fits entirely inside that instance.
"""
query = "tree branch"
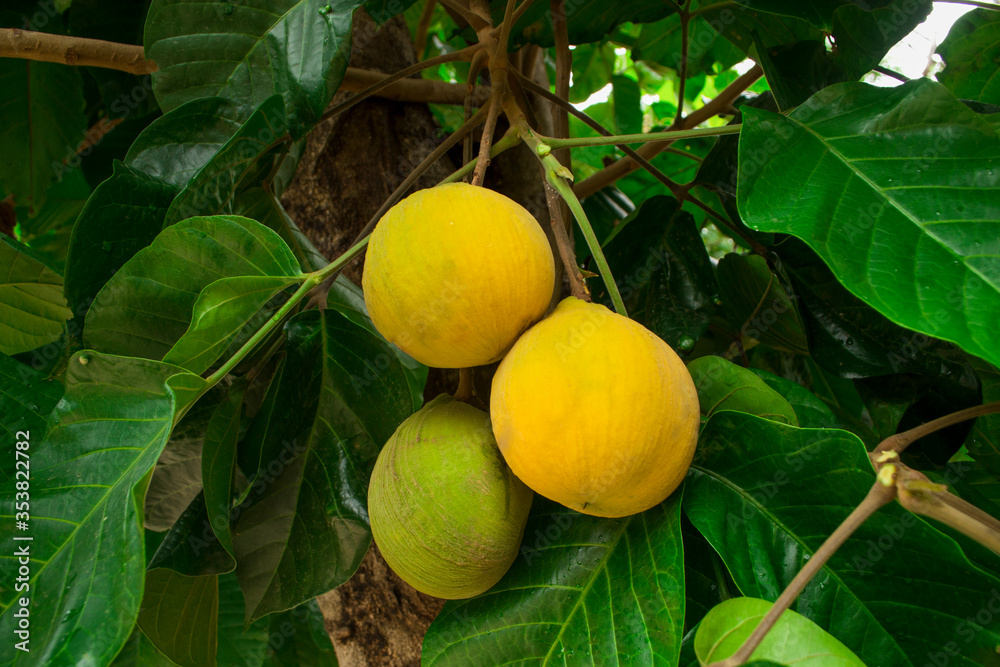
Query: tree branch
(67, 50)
(626, 165)
(900, 441)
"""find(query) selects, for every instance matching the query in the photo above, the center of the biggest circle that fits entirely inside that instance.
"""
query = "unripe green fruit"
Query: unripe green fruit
(446, 511)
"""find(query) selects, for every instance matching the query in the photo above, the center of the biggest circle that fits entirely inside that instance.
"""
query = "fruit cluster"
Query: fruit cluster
(587, 408)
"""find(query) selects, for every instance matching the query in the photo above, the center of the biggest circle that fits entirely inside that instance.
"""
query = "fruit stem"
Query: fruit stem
(557, 175)
(669, 135)
(465, 389)
(510, 139)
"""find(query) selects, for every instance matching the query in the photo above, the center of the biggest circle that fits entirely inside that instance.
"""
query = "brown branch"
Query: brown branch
(499, 90)
(97, 132)
(557, 211)
(879, 496)
(564, 69)
(410, 90)
(627, 165)
(423, 25)
(80, 51)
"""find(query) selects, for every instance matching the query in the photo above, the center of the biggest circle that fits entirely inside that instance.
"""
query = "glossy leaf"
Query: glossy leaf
(793, 640)
(26, 399)
(41, 124)
(583, 590)
(767, 495)
(32, 307)
(663, 272)
(722, 385)
(212, 189)
(180, 616)
(147, 307)
(970, 54)
(250, 51)
(168, 149)
(124, 215)
(304, 528)
(879, 199)
(88, 562)
(758, 304)
(810, 410)
(191, 547)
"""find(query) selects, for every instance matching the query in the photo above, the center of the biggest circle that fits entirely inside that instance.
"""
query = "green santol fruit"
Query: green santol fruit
(446, 511)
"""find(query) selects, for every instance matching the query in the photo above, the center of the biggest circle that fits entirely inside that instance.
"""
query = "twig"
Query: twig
(682, 72)
(474, 68)
(519, 12)
(499, 89)
(463, 10)
(423, 25)
(577, 285)
(900, 441)
(625, 166)
(461, 54)
(408, 90)
(97, 132)
(879, 496)
(889, 72)
(80, 51)
(319, 293)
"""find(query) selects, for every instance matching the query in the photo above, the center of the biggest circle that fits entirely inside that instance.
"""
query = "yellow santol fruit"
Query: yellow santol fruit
(446, 512)
(594, 411)
(455, 273)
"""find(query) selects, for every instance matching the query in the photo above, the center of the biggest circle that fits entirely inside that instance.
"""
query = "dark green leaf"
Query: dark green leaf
(213, 188)
(971, 52)
(811, 411)
(218, 462)
(586, 20)
(176, 146)
(238, 644)
(191, 547)
(664, 274)
(766, 495)
(32, 307)
(260, 204)
(758, 304)
(26, 399)
(902, 187)
(48, 230)
(584, 590)
(124, 215)
(250, 51)
(87, 553)
(175, 482)
(706, 582)
(180, 616)
(660, 43)
(722, 385)
(41, 125)
(984, 440)
(147, 306)
(304, 527)
(817, 12)
(628, 111)
(298, 637)
(140, 652)
(863, 37)
(793, 640)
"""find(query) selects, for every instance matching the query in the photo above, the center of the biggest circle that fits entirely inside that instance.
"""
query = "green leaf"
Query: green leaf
(863, 37)
(41, 125)
(903, 187)
(663, 272)
(180, 616)
(32, 307)
(87, 552)
(175, 482)
(147, 306)
(305, 528)
(984, 440)
(722, 385)
(124, 215)
(586, 20)
(817, 12)
(238, 644)
(140, 652)
(26, 399)
(970, 53)
(190, 547)
(218, 462)
(303, 639)
(661, 43)
(767, 495)
(758, 305)
(706, 582)
(793, 640)
(260, 204)
(176, 146)
(628, 111)
(223, 308)
(48, 231)
(584, 590)
(213, 188)
(593, 67)
(810, 410)
(250, 51)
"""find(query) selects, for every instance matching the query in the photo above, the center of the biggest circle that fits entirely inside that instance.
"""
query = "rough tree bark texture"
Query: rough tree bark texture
(350, 166)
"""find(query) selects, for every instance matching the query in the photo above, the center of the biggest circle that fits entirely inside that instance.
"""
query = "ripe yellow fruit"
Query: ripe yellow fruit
(455, 273)
(594, 411)
(445, 510)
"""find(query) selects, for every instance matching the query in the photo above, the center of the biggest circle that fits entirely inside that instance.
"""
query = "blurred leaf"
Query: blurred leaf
(180, 615)
(766, 495)
(304, 530)
(26, 399)
(722, 385)
(177, 145)
(87, 550)
(593, 67)
(758, 304)
(48, 231)
(660, 43)
(628, 111)
(295, 48)
(881, 199)
(663, 272)
(175, 482)
(147, 306)
(213, 188)
(140, 652)
(32, 307)
(41, 125)
(124, 215)
(793, 640)
(583, 590)
(984, 440)
(971, 52)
